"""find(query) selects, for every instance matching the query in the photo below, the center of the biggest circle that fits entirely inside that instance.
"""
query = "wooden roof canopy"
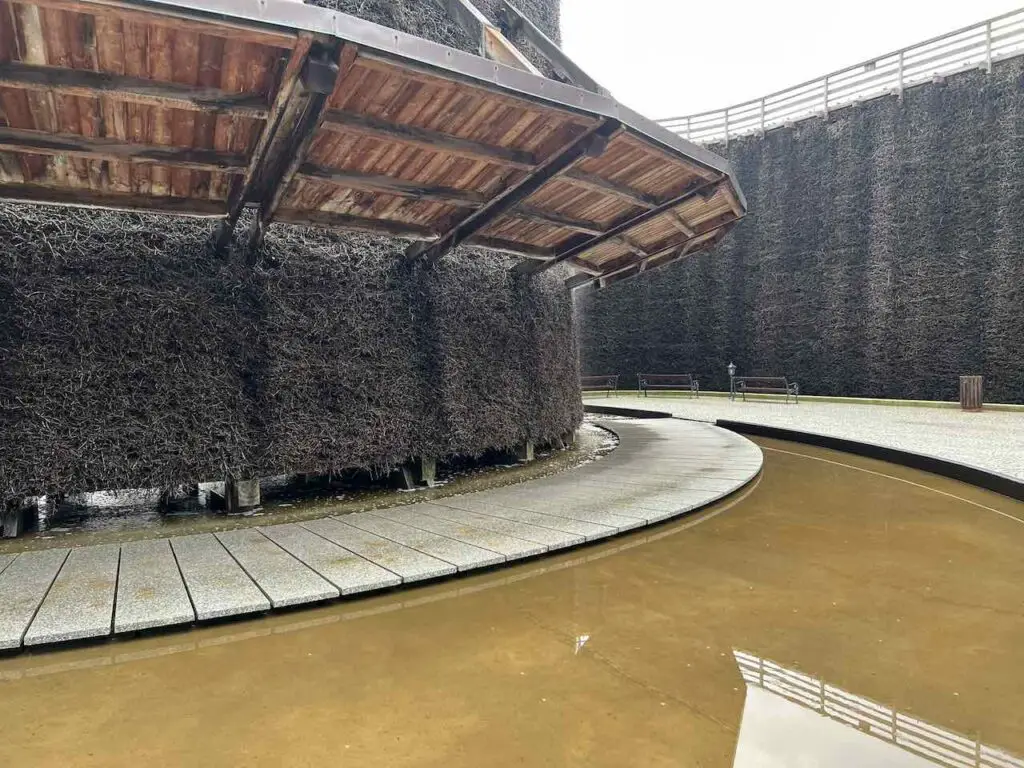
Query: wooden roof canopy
(318, 118)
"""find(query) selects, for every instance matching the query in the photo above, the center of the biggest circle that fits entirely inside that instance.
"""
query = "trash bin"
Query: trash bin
(970, 393)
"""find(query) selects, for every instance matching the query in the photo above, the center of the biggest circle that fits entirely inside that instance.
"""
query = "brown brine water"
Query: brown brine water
(839, 611)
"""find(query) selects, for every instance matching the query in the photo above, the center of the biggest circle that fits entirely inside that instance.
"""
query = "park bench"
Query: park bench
(772, 385)
(668, 381)
(606, 384)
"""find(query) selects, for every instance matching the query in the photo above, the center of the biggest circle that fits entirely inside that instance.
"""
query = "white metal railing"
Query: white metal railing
(938, 745)
(980, 45)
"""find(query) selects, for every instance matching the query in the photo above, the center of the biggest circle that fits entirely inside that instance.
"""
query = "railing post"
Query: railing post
(687, 129)
(727, 126)
(899, 77)
(762, 115)
(826, 97)
(988, 47)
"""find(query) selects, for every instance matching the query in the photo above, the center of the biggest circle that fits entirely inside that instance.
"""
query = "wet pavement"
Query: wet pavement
(785, 626)
(992, 440)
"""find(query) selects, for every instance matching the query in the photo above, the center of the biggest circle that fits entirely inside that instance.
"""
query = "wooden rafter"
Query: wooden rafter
(623, 227)
(591, 143)
(323, 70)
(95, 148)
(346, 223)
(85, 198)
(513, 21)
(424, 138)
(90, 84)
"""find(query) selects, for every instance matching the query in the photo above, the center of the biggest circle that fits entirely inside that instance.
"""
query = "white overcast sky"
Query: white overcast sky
(675, 57)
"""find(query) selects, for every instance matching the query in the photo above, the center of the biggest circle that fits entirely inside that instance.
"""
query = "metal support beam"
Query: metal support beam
(590, 144)
(513, 21)
(620, 229)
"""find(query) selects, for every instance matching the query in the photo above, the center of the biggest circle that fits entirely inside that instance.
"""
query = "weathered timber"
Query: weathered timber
(424, 138)
(591, 143)
(90, 84)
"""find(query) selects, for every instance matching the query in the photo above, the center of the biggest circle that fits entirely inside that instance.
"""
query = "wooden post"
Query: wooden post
(971, 393)
(16, 517)
(241, 495)
(426, 471)
(524, 451)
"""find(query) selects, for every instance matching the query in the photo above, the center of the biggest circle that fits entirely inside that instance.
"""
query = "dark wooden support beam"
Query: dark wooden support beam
(387, 185)
(556, 220)
(512, 21)
(324, 68)
(711, 231)
(492, 43)
(84, 198)
(342, 222)
(622, 228)
(600, 184)
(590, 144)
(94, 148)
(242, 192)
(90, 84)
(512, 247)
(424, 138)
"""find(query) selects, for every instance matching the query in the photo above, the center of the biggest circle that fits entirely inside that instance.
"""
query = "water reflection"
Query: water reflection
(790, 718)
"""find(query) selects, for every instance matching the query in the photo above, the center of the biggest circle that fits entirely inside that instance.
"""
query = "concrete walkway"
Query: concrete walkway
(993, 441)
(661, 469)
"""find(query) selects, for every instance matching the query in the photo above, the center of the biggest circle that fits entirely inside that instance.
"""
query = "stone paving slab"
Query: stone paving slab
(283, 579)
(589, 531)
(216, 582)
(548, 537)
(508, 546)
(660, 470)
(150, 590)
(23, 585)
(80, 603)
(463, 556)
(990, 440)
(346, 570)
(409, 564)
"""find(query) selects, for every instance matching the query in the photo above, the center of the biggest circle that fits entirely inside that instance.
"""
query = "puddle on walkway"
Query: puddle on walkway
(816, 619)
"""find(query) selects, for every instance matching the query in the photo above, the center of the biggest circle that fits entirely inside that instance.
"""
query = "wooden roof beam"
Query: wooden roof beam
(492, 43)
(321, 74)
(97, 148)
(424, 138)
(343, 222)
(601, 184)
(512, 21)
(581, 246)
(85, 198)
(82, 82)
(592, 143)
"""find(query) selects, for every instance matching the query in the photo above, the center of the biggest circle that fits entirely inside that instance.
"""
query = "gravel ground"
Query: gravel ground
(990, 440)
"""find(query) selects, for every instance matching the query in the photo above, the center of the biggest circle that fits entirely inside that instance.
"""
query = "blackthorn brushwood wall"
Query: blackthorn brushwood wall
(883, 256)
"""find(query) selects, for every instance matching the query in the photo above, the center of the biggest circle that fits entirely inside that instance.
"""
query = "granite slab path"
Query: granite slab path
(662, 468)
(990, 440)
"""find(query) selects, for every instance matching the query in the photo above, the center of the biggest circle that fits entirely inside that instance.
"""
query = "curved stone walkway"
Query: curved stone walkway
(661, 469)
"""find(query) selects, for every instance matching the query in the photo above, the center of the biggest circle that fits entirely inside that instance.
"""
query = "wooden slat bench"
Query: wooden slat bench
(607, 384)
(668, 381)
(771, 385)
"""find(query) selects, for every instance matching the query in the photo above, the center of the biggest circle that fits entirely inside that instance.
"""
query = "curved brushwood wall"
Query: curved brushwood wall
(883, 256)
(131, 357)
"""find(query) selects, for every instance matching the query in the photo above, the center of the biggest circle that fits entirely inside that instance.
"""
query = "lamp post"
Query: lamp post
(732, 376)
